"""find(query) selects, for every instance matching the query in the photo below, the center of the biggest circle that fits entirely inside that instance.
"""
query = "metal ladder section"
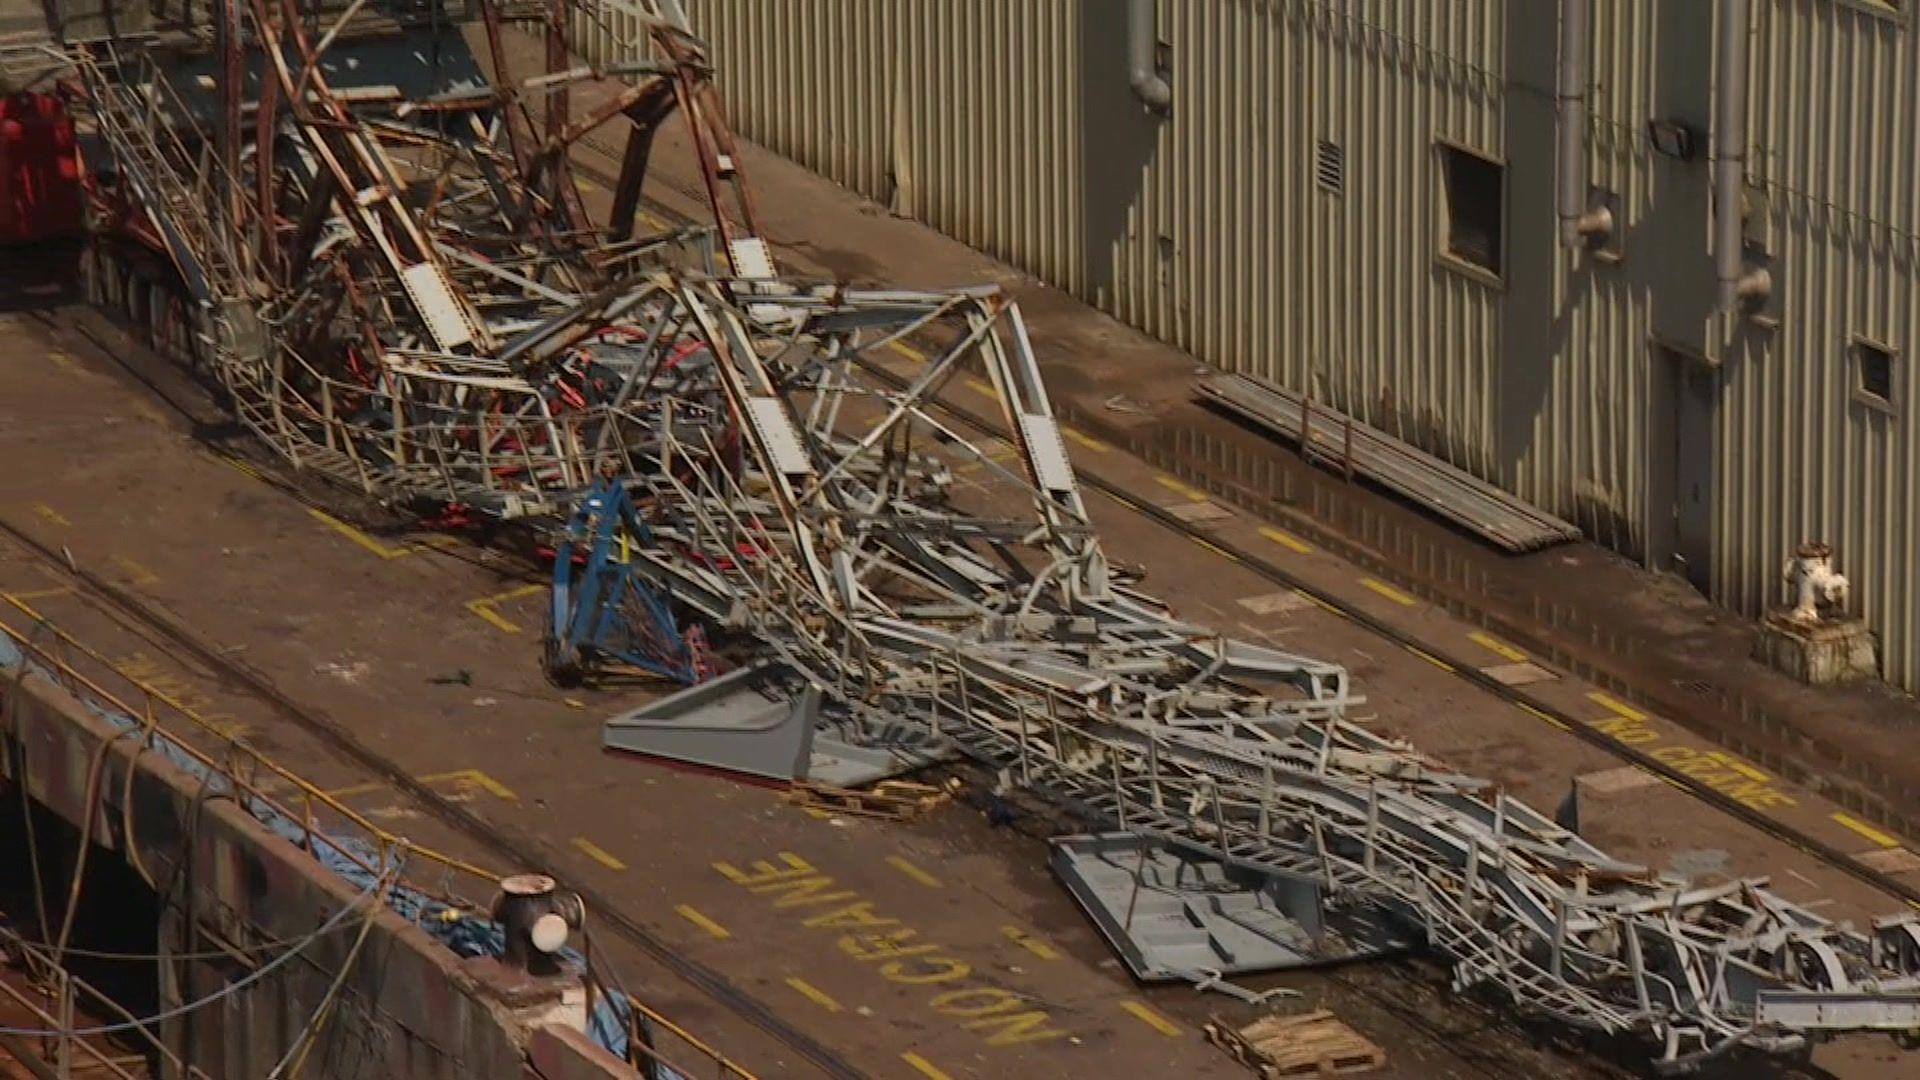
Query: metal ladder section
(722, 172)
(1320, 832)
(169, 163)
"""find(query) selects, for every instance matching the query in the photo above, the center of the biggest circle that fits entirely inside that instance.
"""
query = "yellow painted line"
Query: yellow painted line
(61, 360)
(1615, 705)
(982, 386)
(813, 993)
(1084, 439)
(1030, 943)
(909, 352)
(1431, 659)
(1867, 830)
(926, 1068)
(1286, 540)
(1151, 1017)
(1493, 644)
(475, 778)
(1548, 717)
(1388, 591)
(480, 608)
(1741, 767)
(1321, 604)
(1171, 484)
(483, 606)
(50, 514)
(140, 574)
(913, 871)
(693, 915)
(37, 594)
(384, 551)
(357, 789)
(355, 535)
(1213, 547)
(239, 466)
(655, 220)
(598, 854)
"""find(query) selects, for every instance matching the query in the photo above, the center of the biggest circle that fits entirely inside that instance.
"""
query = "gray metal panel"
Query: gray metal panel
(1050, 461)
(432, 296)
(1012, 127)
(769, 417)
(1171, 915)
(750, 720)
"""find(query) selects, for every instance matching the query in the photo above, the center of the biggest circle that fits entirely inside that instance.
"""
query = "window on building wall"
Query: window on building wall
(1474, 191)
(1875, 375)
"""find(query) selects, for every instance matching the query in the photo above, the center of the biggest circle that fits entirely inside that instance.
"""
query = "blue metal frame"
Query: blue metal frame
(605, 613)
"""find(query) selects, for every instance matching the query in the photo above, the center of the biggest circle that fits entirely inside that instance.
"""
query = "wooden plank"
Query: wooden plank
(1314, 1043)
(893, 800)
(1326, 434)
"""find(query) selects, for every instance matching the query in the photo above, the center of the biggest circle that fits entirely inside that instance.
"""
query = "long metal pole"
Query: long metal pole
(1143, 60)
(1730, 153)
(1572, 134)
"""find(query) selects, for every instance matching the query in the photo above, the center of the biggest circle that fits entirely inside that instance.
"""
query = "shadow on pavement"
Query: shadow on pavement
(40, 276)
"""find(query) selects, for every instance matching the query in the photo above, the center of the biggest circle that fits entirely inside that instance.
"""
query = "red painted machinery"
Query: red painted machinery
(40, 192)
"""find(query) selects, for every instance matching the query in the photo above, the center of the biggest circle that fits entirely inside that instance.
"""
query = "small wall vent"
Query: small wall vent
(1330, 168)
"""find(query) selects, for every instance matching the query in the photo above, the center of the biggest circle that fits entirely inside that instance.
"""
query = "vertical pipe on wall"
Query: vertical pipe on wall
(1730, 163)
(1143, 54)
(1580, 224)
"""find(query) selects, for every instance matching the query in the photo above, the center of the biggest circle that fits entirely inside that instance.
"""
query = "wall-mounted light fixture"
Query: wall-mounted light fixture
(1673, 139)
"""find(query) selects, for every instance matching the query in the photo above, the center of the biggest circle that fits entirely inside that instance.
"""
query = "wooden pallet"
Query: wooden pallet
(894, 800)
(1309, 1044)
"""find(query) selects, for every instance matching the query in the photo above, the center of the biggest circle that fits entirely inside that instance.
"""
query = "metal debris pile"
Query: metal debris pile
(406, 293)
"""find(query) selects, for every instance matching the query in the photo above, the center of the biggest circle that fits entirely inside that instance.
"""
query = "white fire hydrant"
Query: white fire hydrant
(1815, 586)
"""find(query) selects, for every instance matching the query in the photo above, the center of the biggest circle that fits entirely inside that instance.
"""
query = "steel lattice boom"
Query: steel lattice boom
(406, 293)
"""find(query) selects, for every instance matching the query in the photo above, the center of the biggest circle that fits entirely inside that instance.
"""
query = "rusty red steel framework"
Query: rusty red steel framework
(397, 283)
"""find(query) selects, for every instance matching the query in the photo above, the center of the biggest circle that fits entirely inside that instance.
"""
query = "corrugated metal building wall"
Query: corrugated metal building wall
(1288, 218)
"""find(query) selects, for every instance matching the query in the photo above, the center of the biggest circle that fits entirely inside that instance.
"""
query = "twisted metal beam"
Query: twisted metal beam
(434, 328)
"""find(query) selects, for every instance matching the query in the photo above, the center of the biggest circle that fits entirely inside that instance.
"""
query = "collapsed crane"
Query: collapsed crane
(402, 289)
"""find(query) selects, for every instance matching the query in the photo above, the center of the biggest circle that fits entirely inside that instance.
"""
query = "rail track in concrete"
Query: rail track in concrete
(516, 848)
(506, 844)
(1465, 670)
(1413, 1003)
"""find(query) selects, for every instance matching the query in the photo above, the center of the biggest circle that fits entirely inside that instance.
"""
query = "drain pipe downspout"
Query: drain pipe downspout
(1737, 286)
(1579, 225)
(1143, 55)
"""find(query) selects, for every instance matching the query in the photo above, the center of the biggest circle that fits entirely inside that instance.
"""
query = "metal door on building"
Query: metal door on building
(1696, 386)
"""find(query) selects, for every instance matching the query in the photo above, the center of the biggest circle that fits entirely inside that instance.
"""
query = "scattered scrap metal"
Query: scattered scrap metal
(404, 291)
